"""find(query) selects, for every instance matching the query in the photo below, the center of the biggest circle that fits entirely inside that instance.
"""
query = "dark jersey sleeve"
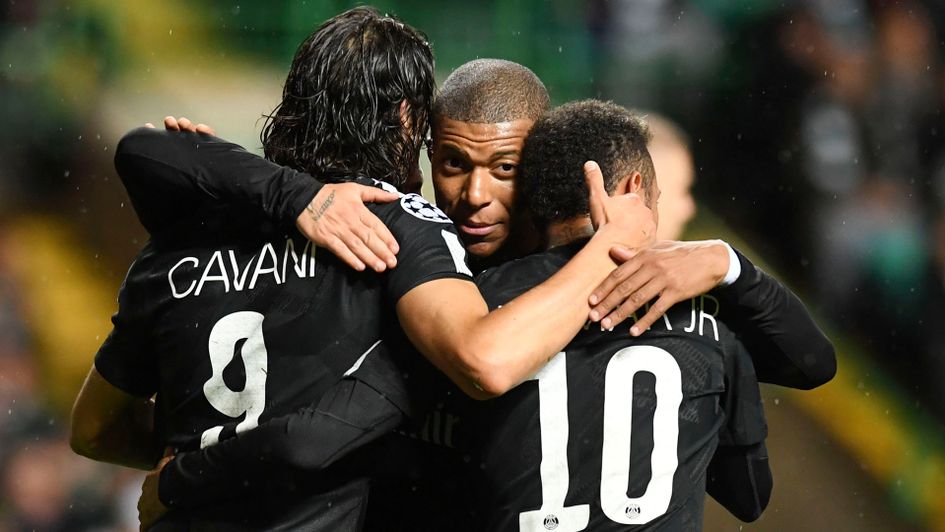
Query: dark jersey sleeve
(125, 359)
(744, 412)
(739, 478)
(786, 345)
(430, 248)
(167, 174)
(349, 416)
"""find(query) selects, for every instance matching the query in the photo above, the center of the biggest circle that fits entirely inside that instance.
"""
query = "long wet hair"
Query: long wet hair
(340, 114)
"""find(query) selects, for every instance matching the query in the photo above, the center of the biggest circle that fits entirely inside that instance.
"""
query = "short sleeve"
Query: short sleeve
(126, 359)
(745, 416)
(430, 248)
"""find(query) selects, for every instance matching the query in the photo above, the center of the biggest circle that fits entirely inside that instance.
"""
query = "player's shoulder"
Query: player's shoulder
(519, 275)
(411, 208)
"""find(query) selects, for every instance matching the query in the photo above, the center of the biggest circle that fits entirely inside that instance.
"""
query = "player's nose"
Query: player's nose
(478, 192)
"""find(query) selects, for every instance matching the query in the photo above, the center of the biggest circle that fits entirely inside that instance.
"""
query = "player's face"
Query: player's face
(674, 167)
(474, 167)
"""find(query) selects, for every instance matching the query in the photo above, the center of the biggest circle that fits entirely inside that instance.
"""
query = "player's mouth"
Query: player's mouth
(477, 228)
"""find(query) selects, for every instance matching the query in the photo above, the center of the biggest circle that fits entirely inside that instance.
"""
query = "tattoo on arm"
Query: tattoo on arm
(317, 213)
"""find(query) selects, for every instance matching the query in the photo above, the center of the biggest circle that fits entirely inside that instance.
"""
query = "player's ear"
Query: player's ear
(631, 183)
(635, 183)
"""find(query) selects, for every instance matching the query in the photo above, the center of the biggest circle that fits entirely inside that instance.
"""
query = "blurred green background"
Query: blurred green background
(815, 127)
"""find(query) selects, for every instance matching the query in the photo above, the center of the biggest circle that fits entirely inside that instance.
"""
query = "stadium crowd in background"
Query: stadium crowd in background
(817, 129)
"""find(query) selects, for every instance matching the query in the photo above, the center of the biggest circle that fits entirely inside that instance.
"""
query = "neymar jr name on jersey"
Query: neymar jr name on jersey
(694, 321)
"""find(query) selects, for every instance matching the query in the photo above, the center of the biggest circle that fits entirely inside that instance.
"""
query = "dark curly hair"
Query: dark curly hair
(340, 112)
(551, 173)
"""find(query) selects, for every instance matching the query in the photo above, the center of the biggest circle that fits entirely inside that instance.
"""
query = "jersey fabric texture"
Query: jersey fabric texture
(616, 433)
(231, 318)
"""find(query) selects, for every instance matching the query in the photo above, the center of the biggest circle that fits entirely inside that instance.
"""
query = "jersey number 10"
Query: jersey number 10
(615, 466)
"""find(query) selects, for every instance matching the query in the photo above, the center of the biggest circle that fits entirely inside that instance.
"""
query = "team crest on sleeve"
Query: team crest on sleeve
(423, 209)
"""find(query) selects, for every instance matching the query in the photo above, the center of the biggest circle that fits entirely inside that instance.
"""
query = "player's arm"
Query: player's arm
(112, 419)
(110, 425)
(739, 478)
(349, 416)
(171, 173)
(487, 354)
(787, 346)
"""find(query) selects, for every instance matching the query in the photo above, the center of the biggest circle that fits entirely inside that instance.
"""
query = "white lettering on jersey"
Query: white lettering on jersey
(267, 251)
(240, 280)
(697, 318)
(217, 259)
(703, 316)
(170, 277)
(265, 263)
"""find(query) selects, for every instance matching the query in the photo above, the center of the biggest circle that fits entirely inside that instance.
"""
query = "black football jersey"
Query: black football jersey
(615, 433)
(231, 319)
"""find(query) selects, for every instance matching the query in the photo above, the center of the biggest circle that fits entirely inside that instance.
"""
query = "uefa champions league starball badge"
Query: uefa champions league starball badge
(421, 208)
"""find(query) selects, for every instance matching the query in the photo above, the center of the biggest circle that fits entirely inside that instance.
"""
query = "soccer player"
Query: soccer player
(230, 318)
(481, 118)
(615, 431)
(790, 345)
(714, 386)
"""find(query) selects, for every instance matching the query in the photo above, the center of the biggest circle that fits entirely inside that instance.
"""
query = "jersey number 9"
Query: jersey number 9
(225, 342)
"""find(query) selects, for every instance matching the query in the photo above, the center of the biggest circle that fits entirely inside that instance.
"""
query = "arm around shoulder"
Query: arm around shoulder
(788, 347)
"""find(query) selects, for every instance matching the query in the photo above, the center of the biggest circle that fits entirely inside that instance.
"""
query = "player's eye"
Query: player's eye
(506, 169)
(454, 163)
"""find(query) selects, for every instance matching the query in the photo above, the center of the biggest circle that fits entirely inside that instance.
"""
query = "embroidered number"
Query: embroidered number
(618, 424)
(239, 333)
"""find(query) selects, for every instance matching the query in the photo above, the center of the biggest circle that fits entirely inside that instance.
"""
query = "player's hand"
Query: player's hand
(183, 124)
(337, 219)
(625, 217)
(150, 507)
(673, 271)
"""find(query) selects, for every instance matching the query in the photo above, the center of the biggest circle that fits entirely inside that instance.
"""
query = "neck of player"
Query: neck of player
(563, 233)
